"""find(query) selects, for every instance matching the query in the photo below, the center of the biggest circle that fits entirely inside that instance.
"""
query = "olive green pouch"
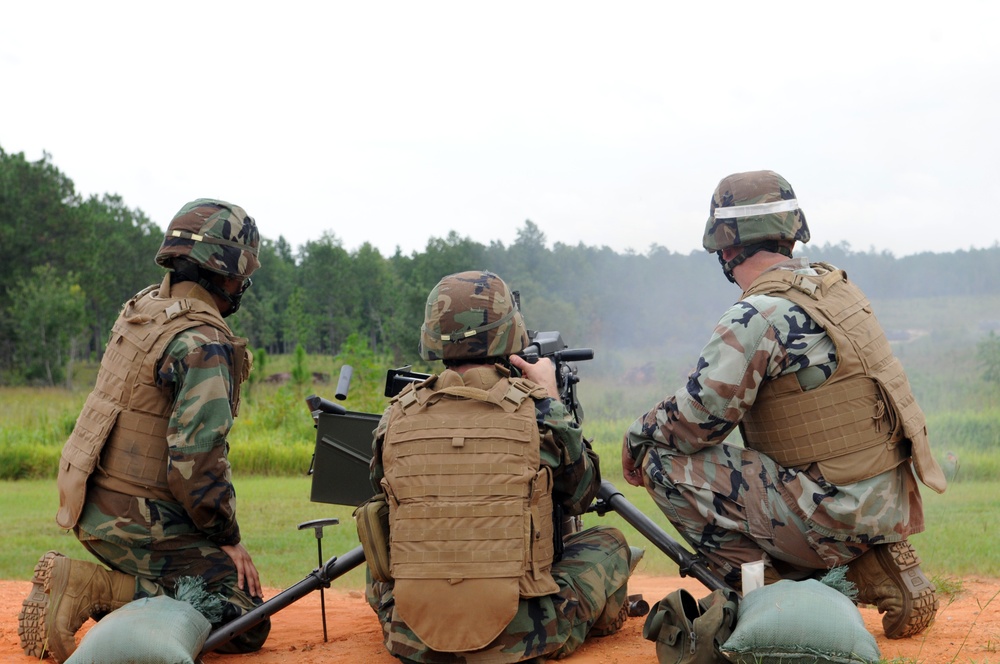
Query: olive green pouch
(689, 631)
(372, 520)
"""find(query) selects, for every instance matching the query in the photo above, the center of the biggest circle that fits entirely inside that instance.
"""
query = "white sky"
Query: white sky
(604, 123)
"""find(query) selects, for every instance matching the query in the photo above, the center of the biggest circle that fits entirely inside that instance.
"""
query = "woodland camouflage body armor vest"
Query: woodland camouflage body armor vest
(120, 437)
(470, 506)
(863, 420)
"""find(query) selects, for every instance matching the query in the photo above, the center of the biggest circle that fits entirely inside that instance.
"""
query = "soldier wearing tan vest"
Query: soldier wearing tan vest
(834, 440)
(144, 479)
(472, 462)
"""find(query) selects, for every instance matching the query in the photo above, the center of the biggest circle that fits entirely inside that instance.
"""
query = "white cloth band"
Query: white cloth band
(738, 211)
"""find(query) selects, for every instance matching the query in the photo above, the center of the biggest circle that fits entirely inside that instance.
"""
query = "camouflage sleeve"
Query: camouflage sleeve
(575, 468)
(744, 350)
(198, 365)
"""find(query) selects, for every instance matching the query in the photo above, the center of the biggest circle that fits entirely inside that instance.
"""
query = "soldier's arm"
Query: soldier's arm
(744, 350)
(575, 469)
(198, 363)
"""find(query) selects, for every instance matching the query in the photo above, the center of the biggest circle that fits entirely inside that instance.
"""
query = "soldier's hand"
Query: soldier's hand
(246, 571)
(542, 373)
(631, 472)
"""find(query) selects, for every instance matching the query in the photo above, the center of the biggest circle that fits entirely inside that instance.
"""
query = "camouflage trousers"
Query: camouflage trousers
(730, 504)
(147, 541)
(592, 577)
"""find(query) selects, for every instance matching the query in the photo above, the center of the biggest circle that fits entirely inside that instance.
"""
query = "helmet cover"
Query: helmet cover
(748, 208)
(471, 315)
(218, 236)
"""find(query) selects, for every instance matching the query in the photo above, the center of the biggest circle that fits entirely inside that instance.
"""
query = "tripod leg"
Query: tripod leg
(322, 596)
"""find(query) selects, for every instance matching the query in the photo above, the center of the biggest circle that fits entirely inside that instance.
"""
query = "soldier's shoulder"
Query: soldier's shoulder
(748, 320)
(195, 338)
(764, 304)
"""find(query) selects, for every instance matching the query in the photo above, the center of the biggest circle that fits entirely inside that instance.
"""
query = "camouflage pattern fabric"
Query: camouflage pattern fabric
(592, 578)
(199, 366)
(592, 574)
(217, 235)
(158, 566)
(732, 504)
(158, 540)
(471, 314)
(754, 191)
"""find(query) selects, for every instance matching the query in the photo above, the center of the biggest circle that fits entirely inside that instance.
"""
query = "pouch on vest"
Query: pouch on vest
(80, 455)
(690, 631)
(372, 520)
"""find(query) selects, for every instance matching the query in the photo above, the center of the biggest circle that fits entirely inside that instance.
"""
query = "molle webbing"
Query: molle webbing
(479, 462)
(467, 496)
(470, 506)
(134, 459)
(151, 323)
(507, 395)
(866, 407)
(850, 416)
(126, 413)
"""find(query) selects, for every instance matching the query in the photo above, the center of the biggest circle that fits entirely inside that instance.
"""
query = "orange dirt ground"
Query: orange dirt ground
(966, 629)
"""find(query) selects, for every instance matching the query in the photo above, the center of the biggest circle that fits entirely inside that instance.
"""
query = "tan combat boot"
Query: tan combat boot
(64, 594)
(889, 577)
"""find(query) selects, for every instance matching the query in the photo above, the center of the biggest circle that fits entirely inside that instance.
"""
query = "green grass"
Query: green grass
(274, 434)
(273, 441)
(962, 531)
(270, 509)
(960, 538)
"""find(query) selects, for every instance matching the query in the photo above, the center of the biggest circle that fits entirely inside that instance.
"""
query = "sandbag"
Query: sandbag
(803, 622)
(152, 630)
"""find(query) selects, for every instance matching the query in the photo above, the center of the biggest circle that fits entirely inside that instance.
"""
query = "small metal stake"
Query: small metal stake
(317, 525)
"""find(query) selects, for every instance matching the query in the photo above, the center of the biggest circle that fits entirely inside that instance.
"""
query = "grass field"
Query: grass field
(273, 441)
(274, 434)
(961, 538)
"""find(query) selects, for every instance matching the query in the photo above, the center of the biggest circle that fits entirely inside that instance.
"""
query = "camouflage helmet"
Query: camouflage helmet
(214, 234)
(753, 207)
(471, 315)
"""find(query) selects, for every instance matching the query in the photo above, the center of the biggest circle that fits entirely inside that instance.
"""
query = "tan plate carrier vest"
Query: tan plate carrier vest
(120, 437)
(863, 420)
(470, 508)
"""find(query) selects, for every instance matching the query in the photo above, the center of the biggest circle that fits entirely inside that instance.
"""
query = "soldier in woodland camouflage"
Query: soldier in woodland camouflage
(471, 462)
(834, 439)
(144, 480)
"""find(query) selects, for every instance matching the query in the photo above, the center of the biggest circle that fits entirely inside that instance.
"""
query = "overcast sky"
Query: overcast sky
(604, 123)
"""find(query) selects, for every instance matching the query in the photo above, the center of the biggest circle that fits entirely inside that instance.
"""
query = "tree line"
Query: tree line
(70, 262)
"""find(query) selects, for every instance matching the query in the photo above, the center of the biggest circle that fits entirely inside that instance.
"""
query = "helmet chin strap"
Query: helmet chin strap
(189, 271)
(727, 266)
(232, 300)
(770, 245)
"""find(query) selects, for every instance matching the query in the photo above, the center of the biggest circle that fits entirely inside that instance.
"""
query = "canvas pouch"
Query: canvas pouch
(690, 631)
(372, 520)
